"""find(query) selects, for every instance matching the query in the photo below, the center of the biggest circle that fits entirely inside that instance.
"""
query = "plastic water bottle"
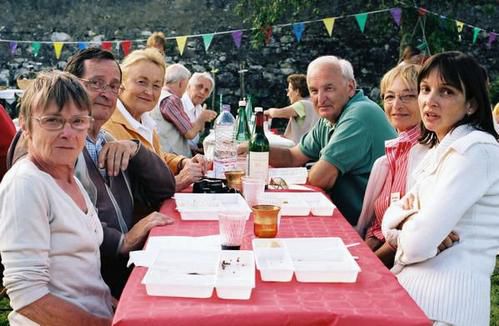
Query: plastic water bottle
(225, 158)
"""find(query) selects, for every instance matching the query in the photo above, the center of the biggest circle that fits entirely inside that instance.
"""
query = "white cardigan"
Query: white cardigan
(457, 190)
(48, 244)
(379, 173)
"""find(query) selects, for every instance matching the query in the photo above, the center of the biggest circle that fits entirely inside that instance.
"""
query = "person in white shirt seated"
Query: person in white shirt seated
(50, 230)
(456, 190)
(143, 78)
(198, 90)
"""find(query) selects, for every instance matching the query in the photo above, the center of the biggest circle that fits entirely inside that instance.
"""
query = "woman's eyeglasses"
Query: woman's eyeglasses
(53, 122)
(404, 98)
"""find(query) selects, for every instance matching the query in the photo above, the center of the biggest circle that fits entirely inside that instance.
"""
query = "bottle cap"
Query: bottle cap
(242, 103)
(258, 109)
(226, 107)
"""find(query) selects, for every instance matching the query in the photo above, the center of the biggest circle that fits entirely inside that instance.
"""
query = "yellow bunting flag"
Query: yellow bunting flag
(329, 23)
(181, 40)
(460, 26)
(58, 49)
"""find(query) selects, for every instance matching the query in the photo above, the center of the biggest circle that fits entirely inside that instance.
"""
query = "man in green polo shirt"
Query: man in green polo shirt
(345, 142)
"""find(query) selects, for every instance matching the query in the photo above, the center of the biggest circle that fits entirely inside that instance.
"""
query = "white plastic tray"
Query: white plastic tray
(322, 260)
(299, 203)
(273, 260)
(290, 175)
(236, 274)
(182, 273)
(207, 206)
(289, 207)
(317, 260)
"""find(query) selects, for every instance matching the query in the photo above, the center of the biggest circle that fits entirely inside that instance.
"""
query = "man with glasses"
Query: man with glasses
(125, 180)
(345, 142)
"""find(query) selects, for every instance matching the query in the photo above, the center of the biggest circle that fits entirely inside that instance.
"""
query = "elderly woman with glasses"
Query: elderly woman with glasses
(391, 174)
(143, 77)
(50, 230)
(457, 190)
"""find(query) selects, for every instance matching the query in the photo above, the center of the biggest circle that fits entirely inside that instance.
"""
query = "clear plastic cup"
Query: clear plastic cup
(231, 226)
(252, 189)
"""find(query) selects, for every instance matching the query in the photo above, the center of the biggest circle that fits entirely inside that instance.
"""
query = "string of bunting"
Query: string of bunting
(298, 29)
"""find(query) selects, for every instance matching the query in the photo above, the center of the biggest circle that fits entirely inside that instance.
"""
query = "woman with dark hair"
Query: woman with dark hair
(457, 190)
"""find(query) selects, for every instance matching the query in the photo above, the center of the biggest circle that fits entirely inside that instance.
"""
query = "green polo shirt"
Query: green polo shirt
(351, 145)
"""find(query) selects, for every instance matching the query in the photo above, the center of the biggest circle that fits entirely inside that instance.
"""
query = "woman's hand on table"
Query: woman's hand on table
(115, 155)
(136, 236)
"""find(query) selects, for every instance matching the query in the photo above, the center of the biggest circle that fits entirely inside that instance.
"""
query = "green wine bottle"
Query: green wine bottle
(242, 133)
(258, 157)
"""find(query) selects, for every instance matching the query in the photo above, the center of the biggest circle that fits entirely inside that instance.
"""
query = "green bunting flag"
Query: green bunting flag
(35, 47)
(207, 38)
(361, 20)
(476, 31)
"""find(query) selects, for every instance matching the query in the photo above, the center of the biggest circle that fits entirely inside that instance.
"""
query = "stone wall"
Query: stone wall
(372, 53)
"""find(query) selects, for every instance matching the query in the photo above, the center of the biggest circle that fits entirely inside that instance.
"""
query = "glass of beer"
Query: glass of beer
(266, 220)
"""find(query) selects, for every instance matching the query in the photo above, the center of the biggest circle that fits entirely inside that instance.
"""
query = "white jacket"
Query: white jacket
(457, 190)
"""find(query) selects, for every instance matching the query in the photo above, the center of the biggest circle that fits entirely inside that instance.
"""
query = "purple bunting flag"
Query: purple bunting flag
(492, 38)
(298, 29)
(236, 36)
(13, 47)
(396, 14)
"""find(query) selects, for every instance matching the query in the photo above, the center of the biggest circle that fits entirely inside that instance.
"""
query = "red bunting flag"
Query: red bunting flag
(422, 11)
(126, 46)
(107, 45)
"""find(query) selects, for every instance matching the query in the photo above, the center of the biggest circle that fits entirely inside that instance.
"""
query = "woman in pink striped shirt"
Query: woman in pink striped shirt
(390, 175)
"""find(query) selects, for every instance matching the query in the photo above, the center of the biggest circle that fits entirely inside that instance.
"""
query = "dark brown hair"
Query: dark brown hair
(464, 73)
(299, 82)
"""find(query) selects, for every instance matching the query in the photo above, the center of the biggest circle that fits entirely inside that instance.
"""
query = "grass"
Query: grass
(494, 297)
(4, 311)
(494, 301)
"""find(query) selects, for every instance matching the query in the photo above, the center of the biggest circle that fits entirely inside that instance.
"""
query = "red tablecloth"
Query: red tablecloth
(375, 299)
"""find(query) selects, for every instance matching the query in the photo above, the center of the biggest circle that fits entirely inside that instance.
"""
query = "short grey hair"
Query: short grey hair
(175, 73)
(345, 66)
(197, 75)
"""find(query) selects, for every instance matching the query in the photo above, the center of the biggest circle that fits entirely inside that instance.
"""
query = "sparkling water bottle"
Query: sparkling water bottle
(225, 158)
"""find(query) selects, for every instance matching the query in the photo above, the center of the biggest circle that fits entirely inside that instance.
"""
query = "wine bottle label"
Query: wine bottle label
(258, 165)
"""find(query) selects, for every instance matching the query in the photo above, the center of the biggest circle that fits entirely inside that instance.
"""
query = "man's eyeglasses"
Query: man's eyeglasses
(100, 85)
(404, 98)
(54, 122)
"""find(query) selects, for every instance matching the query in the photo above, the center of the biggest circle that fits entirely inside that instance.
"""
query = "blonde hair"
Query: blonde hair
(156, 39)
(149, 54)
(55, 87)
(407, 72)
